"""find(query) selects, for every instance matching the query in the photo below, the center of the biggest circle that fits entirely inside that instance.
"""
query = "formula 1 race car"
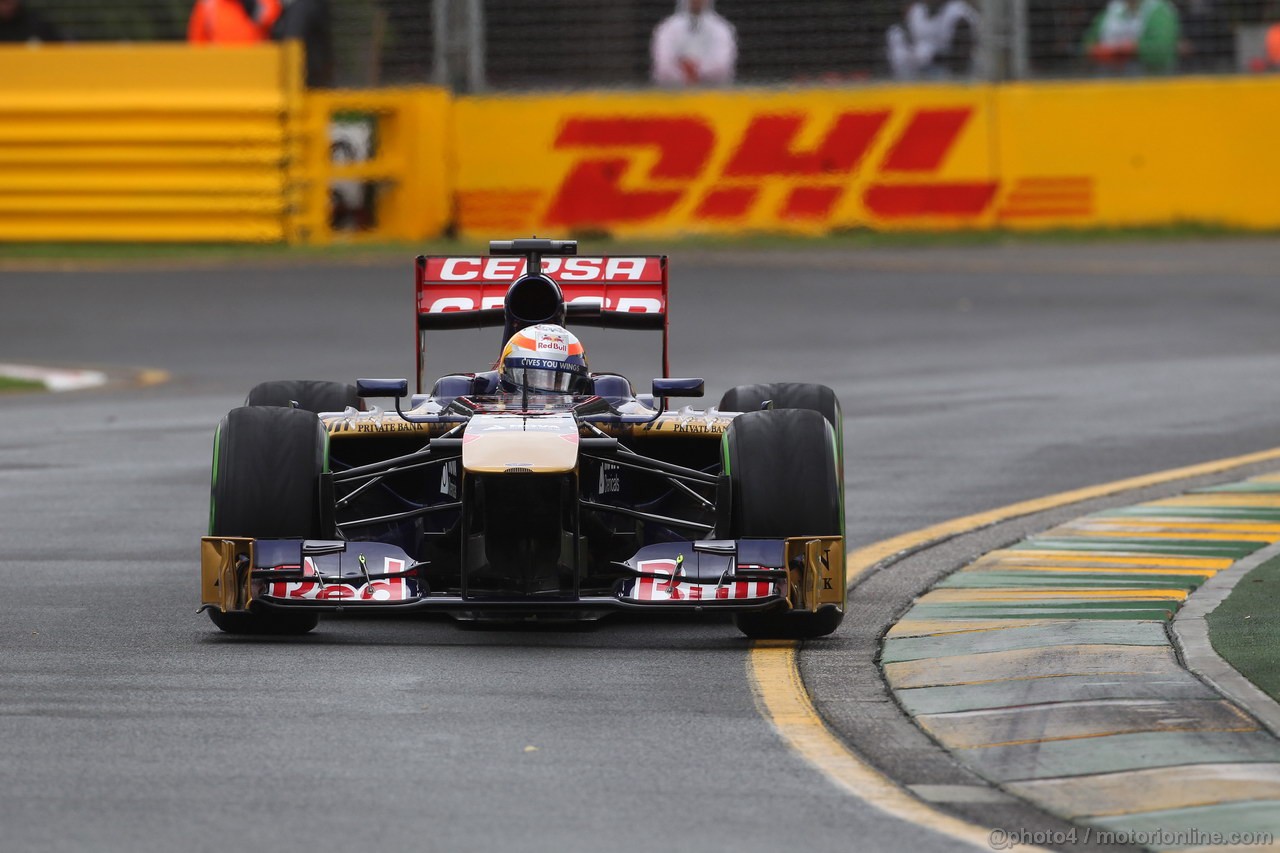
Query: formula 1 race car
(508, 502)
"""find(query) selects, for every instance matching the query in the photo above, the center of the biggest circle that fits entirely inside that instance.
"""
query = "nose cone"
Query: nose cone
(518, 444)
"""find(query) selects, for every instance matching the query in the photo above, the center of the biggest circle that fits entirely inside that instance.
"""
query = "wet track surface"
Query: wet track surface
(970, 379)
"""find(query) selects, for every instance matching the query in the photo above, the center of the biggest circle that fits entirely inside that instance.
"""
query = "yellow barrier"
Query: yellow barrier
(816, 161)
(1143, 152)
(161, 142)
(411, 166)
(170, 142)
(155, 142)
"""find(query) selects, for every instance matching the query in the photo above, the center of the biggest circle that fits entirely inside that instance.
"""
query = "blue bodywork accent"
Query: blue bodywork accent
(382, 387)
(675, 387)
(275, 553)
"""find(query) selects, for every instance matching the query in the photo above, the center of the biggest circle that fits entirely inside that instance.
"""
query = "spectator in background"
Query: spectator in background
(1269, 60)
(20, 24)
(934, 41)
(694, 46)
(1134, 37)
(232, 21)
(310, 22)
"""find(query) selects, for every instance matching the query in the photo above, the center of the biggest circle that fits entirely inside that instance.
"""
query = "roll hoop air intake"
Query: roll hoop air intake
(534, 298)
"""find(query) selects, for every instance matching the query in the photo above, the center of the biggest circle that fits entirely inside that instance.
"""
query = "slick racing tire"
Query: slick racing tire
(266, 466)
(311, 395)
(791, 395)
(784, 471)
(264, 625)
(784, 395)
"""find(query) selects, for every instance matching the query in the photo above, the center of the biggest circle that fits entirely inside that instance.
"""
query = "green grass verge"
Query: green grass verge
(1245, 629)
(8, 383)
(78, 253)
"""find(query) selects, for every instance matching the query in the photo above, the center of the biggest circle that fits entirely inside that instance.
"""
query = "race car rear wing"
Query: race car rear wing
(470, 292)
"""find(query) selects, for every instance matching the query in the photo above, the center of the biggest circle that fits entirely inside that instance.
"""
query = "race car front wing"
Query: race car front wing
(797, 573)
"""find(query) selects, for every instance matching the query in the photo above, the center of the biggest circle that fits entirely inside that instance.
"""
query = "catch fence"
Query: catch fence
(477, 45)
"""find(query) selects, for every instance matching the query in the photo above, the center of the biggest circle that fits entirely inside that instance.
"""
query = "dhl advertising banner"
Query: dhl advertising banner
(1153, 152)
(723, 162)
(167, 142)
(1081, 154)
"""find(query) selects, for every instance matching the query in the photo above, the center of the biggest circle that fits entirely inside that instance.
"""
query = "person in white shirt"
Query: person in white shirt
(934, 42)
(694, 46)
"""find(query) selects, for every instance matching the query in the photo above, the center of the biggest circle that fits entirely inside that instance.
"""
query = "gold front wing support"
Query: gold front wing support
(225, 565)
(816, 566)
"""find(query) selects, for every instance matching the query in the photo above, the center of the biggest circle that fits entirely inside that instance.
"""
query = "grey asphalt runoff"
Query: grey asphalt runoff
(971, 378)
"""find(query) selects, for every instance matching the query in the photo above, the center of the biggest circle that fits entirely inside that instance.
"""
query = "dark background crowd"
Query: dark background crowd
(576, 43)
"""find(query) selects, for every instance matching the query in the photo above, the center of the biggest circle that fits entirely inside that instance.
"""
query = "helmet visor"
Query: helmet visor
(550, 381)
(545, 375)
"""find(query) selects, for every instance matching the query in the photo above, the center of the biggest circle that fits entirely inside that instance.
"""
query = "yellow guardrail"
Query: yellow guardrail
(410, 168)
(217, 144)
(1144, 152)
(156, 142)
(170, 142)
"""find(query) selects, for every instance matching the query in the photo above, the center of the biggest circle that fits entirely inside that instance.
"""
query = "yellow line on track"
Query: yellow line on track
(782, 698)
(1093, 570)
(1179, 524)
(864, 558)
(1261, 500)
(1171, 535)
(152, 376)
(951, 594)
(784, 701)
(1011, 558)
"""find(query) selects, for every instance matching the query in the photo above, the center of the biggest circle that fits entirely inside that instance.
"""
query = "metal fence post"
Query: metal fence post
(440, 42)
(475, 46)
(1019, 41)
(988, 65)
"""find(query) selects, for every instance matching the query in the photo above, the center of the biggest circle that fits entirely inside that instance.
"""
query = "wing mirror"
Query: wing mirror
(382, 387)
(672, 387)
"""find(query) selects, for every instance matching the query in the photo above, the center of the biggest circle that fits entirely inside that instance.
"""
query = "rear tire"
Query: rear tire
(784, 470)
(267, 462)
(311, 395)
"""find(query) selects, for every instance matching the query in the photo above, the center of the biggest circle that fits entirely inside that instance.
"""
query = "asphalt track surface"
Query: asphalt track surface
(971, 378)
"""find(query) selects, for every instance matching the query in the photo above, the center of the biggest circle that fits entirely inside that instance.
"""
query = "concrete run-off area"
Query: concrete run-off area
(1048, 669)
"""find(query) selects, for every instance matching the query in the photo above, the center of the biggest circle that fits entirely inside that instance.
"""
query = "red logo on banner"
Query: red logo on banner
(592, 192)
(605, 187)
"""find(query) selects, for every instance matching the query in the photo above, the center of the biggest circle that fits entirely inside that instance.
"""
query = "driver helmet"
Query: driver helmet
(546, 359)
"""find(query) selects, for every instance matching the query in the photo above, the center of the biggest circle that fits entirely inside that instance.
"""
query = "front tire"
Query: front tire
(784, 395)
(784, 471)
(267, 463)
(311, 395)
(263, 625)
